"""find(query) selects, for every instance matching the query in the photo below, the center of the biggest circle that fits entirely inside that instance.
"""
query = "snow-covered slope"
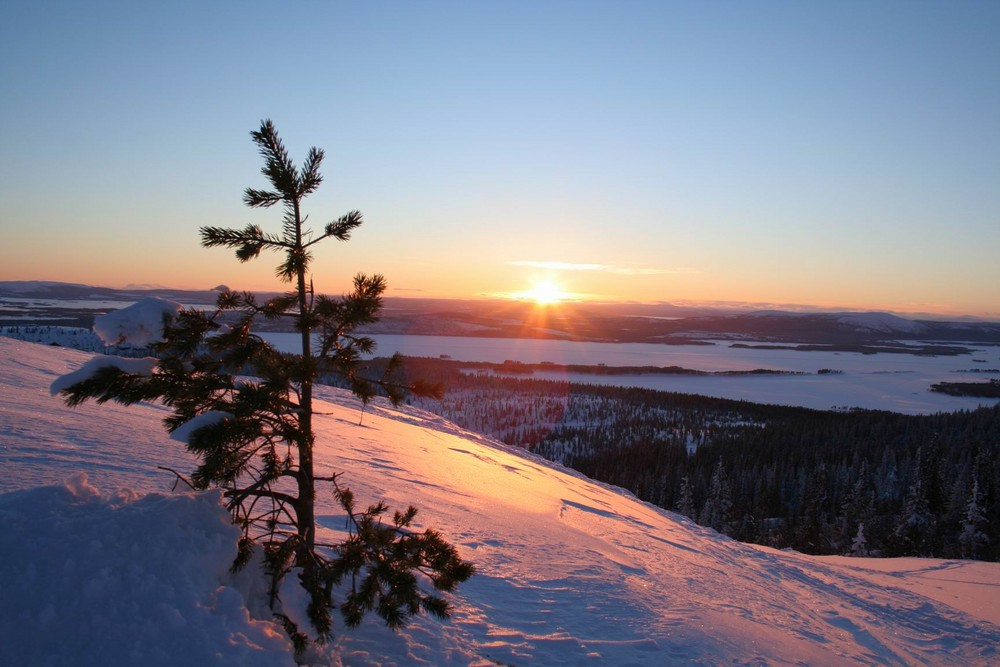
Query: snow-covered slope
(569, 571)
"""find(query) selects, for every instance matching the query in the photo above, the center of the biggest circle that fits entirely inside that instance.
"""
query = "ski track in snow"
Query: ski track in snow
(570, 571)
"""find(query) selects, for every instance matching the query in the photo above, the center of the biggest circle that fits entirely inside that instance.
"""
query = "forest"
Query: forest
(858, 482)
(989, 389)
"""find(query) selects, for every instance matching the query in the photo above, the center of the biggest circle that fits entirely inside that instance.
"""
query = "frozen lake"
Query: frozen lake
(897, 382)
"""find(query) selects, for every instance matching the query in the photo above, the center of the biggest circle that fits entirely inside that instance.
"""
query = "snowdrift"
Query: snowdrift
(569, 571)
(124, 581)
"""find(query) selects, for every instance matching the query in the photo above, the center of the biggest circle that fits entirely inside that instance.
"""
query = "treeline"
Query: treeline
(62, 336)
(990, 389)
(858, 483)
(861, 483)
(511, 367)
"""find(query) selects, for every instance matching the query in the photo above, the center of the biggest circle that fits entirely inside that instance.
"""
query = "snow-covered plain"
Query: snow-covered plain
(896, 382)
(570, 571)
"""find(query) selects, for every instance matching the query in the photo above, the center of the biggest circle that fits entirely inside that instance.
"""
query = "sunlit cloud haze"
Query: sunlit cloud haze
(620, 270)
(837, 155)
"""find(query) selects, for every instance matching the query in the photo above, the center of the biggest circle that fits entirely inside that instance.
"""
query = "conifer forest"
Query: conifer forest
(858, 482)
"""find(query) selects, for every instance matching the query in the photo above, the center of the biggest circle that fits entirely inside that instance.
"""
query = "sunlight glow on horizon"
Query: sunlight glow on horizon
(543, 293)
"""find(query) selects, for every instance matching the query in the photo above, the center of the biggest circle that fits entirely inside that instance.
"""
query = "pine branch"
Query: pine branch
(239, 495)
(248, 242)
(278, 167)
(342, 227)
(296, 259)
(260, 198)
(311, 177)
(291, 227)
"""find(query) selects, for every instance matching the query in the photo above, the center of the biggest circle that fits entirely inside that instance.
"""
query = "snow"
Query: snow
(570, 571)
(895, 382)
(142, 366)
(138, 325)
(184, 431)
(119, 580)
(74, 337)
(18, 286)
(880, 322)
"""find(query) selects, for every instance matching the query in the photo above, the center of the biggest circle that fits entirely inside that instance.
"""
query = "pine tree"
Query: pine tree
(910, 536)
(717, 512)
(858, 508)
(811, 527)
(859, 545)
(685, 504)
(254, 436)
(971, 539)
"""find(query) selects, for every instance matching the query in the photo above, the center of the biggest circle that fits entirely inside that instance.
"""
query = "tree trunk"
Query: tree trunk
(306, 478)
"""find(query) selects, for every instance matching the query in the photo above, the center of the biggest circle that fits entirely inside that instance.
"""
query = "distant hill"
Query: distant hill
(661, 323)
(45, 289)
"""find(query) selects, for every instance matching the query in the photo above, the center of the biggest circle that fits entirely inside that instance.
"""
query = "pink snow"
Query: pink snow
(570, 571)
(124, 580)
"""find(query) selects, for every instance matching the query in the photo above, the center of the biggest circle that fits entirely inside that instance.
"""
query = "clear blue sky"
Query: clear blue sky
(840, 154)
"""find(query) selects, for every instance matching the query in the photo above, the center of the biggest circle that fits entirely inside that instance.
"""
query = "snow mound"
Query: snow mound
(138, 325)
(124, 580)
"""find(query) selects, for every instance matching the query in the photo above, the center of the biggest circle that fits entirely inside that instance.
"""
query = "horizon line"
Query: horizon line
(731, 306)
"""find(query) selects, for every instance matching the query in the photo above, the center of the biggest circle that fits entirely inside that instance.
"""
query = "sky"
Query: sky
(840, 155)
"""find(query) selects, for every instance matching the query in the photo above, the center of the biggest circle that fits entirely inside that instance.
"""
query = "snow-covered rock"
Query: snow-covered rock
(138, 325)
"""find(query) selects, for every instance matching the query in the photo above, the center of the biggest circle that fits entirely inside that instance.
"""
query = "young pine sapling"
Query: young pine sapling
(246, 411)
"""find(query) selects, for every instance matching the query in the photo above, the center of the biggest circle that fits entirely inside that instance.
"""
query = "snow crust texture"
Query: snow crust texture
(570, 572)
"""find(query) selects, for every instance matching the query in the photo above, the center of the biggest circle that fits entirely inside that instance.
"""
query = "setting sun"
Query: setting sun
(545, 292)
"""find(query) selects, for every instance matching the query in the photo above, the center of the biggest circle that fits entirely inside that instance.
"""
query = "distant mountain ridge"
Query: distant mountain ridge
(662, 323)
(47, 289)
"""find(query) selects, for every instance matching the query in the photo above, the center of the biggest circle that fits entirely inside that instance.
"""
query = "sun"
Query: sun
(545, 292)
